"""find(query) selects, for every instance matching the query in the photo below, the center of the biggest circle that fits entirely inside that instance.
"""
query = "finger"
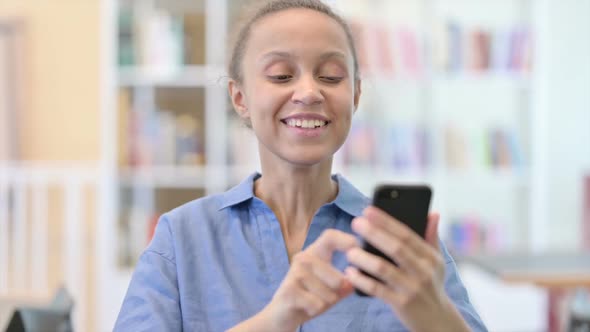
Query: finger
(403, 254)
(329, 275)
(315, 286)
(395, 227)
(331, 240)
(418, 266)
(309, 303)
(371, 286)
(402, 232)
(380, 268)
(432, 231)
(320, 269)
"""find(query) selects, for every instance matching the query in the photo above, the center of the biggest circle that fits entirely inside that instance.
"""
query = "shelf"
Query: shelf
(182, 176)
(491, 177)
(165, 176)
(473, 176)
(187, 76)
(511, 79)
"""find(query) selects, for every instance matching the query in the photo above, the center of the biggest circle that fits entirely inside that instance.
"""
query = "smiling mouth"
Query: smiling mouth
(305, 124)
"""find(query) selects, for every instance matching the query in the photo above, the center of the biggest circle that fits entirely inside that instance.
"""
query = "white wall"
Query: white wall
(566, 147)
(568, 141)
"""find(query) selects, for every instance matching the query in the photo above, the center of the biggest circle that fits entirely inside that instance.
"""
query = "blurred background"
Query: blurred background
(113, 112)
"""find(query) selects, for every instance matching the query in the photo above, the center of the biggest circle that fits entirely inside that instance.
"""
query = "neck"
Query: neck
(295, 193)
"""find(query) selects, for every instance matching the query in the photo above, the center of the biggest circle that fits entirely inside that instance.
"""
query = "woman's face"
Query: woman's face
(298, 86)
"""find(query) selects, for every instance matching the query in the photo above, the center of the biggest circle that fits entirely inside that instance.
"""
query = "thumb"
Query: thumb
(432, 230)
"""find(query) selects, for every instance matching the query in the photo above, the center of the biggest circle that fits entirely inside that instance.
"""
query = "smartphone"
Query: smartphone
(407, 203)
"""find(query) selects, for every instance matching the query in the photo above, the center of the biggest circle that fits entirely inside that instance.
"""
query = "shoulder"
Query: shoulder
(350, 199)
(196, 213)
(189, 225)
(198, 219)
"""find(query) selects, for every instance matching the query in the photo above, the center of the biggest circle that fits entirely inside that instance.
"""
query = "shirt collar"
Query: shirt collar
(240, 193)
(349, 199)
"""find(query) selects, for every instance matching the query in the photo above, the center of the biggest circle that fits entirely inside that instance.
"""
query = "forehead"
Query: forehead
(297, 30)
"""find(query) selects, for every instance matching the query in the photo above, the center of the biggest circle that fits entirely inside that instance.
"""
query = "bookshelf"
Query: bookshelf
(449, 88)
(447, 100)
(450, 92)
(171, 113)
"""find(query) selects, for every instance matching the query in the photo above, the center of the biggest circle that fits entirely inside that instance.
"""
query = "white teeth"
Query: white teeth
(308, 124)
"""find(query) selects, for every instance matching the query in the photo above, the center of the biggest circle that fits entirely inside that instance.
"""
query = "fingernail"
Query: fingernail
(346, 284)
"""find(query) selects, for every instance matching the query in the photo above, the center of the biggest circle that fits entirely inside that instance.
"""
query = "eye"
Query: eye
(280, 78)
(331, 79)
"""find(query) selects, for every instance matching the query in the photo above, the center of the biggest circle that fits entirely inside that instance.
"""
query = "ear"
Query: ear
(237, 98)
(357, 93)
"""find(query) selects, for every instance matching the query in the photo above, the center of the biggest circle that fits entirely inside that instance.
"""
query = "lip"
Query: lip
(306, 116)
(306, 132)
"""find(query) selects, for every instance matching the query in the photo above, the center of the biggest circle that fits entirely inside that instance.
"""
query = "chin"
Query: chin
(308, 159)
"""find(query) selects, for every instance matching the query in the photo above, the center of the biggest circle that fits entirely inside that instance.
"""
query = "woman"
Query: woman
(276, 253)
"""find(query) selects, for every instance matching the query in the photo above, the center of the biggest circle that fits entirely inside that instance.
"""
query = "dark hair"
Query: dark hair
(240, 39)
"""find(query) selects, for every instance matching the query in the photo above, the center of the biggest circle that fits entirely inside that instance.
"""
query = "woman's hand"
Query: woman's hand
(311, 286)
(415, 288)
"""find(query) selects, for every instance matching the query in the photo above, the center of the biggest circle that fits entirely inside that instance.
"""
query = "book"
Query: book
(479, 50)
(360, 148)
(189, 148)
(159, 138)
(455, 33)
(409, 51)
(126, 51)
(158, 38)
(455, 148)
(384, 53)
(124, 133)
(500, 50)
(194, 38)
(439, 48)
(470, 233)
(455, 48)
(359, 32)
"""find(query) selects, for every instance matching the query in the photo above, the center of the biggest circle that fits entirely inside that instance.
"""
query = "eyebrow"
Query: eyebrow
(288, 55)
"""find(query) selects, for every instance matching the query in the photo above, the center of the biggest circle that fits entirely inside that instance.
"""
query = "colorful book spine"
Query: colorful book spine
(470, 234)
(455, 47)
(162, 138)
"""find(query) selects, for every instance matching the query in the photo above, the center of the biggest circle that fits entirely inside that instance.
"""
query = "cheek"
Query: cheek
(345, 103)
(266, 100)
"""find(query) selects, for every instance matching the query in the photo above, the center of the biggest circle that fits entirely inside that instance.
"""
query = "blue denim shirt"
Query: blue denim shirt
(218, 260)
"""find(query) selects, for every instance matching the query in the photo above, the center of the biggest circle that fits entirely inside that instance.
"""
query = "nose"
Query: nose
(307, 91)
